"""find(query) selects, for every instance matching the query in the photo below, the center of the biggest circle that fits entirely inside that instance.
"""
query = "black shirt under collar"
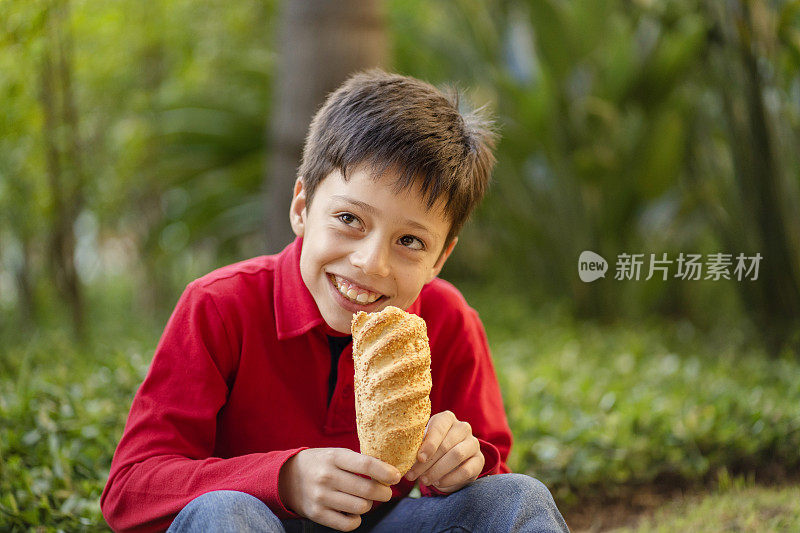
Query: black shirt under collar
(337, 346)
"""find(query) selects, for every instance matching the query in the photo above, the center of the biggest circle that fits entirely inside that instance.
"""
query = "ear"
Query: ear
(440, 262)
(297, 209)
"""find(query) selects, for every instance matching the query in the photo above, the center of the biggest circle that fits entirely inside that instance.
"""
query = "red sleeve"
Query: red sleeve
(164, 459)
(465, 383)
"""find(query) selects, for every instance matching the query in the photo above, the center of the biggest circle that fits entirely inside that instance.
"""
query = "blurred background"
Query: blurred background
(142, 145)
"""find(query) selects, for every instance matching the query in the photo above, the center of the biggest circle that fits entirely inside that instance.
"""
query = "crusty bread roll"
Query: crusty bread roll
(392, 362)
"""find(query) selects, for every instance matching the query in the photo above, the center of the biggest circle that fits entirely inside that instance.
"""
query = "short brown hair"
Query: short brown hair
(388, 120)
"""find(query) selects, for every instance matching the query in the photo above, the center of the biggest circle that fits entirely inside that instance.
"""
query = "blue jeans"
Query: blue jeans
(503, 502)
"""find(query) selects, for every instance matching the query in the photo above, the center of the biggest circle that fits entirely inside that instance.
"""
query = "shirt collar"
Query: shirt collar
(296, 312)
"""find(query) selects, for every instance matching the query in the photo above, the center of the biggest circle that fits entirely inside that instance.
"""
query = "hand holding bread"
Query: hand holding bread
(324, 485)
(450, 456)
(392, 380)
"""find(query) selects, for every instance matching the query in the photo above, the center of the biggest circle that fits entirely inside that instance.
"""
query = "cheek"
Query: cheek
(411, 279)
(325, 249)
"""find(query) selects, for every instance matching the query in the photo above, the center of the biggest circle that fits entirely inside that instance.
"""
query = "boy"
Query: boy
(246, 419)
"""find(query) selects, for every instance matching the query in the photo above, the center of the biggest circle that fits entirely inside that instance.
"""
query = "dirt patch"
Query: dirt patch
(603, 514)
(633, 504)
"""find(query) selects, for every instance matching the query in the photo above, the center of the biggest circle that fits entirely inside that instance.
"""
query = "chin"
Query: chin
(341, 327)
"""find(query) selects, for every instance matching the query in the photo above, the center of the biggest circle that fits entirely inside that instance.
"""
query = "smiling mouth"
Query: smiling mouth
(353, 292)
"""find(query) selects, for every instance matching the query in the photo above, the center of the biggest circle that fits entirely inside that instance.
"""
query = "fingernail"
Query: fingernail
(424, 480)
(423, 458)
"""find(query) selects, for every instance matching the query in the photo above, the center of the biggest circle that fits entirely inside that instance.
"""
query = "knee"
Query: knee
(226, 510)
(529, 506)
(221, 502)
(520, 487)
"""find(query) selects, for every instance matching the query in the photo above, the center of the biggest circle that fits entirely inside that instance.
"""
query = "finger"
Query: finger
(338, 520)
(459, 432)
(346, 503)
(360, 487)
(359, 463)
(420, 468)
(441, 425)
(450, 460)
(438, 426)
(465, 472)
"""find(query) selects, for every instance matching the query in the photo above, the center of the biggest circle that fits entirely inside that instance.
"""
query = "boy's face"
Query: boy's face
(366, 247)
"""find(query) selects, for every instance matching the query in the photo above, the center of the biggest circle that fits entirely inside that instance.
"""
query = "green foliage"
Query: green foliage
(614, 118)
(616, 137)
(172, 101)
(61, 414)
(595, 408)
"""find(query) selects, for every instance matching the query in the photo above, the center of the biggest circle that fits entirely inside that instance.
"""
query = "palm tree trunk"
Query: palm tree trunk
(320, 44)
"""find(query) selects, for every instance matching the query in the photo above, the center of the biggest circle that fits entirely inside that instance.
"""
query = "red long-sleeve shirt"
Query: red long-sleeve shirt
(239, 384)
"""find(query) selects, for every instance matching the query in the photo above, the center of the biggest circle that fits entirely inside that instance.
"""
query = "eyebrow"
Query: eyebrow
(374, 211)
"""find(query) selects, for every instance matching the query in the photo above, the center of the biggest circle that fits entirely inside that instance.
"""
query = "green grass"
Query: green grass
(741, 509)
(594, 409)
(61, 414)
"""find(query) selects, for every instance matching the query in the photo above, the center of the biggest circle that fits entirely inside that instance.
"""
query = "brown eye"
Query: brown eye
(411, 242)
(347, 218)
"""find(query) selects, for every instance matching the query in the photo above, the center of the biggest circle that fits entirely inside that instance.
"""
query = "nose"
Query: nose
(372, 257)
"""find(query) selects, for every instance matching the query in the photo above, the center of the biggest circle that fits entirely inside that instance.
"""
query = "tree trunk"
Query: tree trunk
(154, 274)
(62, 148)
(73, 150)
(27, 298)
(320, 44)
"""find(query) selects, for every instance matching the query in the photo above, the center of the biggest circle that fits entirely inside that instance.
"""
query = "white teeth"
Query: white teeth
(353, 294)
